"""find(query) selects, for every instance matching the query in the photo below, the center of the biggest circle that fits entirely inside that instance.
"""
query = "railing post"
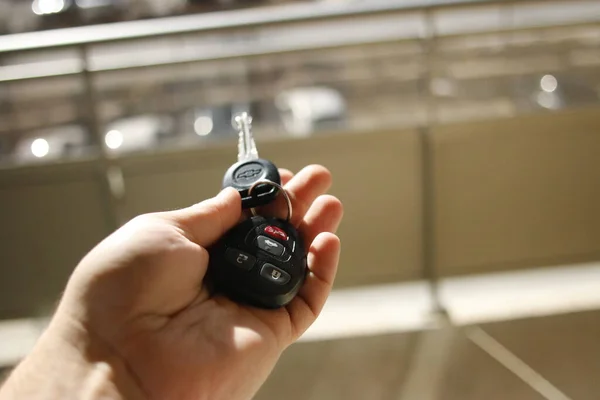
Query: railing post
(430, 273)
(110, 174)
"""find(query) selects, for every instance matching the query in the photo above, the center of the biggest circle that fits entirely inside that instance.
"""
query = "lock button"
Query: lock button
(274, 274)
(240, 259)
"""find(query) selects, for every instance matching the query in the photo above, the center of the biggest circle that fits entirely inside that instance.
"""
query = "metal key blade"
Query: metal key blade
(246, 145)
(249, 168)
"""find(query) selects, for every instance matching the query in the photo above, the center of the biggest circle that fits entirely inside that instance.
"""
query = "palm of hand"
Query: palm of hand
(147, 301)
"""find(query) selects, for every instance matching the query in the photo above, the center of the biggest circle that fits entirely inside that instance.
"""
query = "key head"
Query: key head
(243, 174)
(260, 262)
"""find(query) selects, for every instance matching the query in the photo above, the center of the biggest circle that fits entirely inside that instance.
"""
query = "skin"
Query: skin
(136, 322)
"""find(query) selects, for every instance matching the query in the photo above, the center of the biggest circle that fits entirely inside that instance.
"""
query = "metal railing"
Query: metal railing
(421, 19)
(218, 21)
(255, 34)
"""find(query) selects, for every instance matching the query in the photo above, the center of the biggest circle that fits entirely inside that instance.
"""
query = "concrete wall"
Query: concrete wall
(49, 218)
(515, 193)
(507, 194)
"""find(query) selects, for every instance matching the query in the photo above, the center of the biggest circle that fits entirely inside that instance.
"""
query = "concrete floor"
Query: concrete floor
(562, 350)
(553, 357)
(565, 350)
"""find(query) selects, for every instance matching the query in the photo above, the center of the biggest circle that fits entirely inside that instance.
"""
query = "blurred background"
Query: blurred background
(464, 140)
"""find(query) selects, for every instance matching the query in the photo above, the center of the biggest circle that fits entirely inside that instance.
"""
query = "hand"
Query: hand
(136, 304)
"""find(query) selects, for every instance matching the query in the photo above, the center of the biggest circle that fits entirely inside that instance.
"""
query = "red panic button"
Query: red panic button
(276, 232)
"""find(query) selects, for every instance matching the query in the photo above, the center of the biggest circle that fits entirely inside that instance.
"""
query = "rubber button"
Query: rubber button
(276, 232)
(274, 274)
(240, 258)
(270, 246)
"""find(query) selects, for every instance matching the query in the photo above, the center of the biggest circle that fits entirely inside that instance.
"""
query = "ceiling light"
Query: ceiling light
(113, 139)
(548, 83)
(40, 148)
(42, 7)
(203, 125)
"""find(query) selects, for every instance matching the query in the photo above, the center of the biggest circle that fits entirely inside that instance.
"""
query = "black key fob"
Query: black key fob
(260, 262)
(242, 175)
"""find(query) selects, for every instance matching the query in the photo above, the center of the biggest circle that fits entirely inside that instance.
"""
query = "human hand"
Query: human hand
(137, 306)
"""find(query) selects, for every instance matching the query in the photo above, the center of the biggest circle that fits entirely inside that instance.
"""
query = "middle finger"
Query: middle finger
(308, 184)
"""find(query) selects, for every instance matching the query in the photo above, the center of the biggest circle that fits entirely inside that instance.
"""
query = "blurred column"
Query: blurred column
(110, 177)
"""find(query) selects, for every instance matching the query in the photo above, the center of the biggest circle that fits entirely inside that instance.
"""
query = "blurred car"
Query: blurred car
(4, 148)
(214, 5)
(211, 123)
(302, 111)
(5, 9)
(16, 16)
(553, 91)
(53, 144)
(208, 122)
(137, 133)
(156, 8)
(100, 11)
(307, 109)
(65, 13)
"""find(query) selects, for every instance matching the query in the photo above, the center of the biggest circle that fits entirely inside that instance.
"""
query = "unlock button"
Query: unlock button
(274, 274)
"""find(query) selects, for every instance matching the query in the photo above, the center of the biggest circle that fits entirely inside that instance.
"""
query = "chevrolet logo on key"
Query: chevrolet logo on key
(249, 173)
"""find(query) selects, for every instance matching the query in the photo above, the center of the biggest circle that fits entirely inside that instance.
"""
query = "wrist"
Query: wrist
(69, 363)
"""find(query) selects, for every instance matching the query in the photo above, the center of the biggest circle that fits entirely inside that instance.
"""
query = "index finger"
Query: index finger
(303, 189)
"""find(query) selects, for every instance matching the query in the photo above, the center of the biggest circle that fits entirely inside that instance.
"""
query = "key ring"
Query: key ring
(281, 189)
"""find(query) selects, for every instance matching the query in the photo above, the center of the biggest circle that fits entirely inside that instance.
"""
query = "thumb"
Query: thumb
(208, 220)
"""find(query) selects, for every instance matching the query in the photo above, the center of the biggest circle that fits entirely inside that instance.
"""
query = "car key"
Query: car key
(250, 168)
(260, 262)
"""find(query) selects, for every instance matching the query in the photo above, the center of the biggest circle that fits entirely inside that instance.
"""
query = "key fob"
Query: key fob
(260, 262)
(243, 174)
